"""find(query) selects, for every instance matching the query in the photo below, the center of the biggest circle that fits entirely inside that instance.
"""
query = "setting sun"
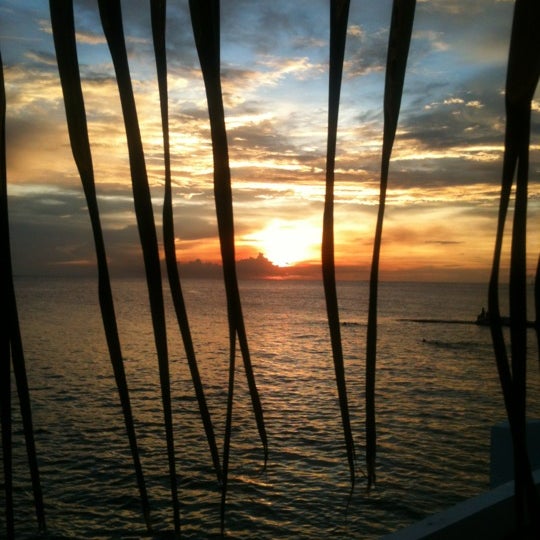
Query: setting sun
(285, 243)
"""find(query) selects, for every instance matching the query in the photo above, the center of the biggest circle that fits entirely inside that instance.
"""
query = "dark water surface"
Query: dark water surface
(437, 397)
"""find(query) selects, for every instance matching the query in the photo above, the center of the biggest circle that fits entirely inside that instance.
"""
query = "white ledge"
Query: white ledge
(489, 515)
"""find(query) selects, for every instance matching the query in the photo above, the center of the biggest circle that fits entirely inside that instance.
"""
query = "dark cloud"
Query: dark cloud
(459, 116)
(442, 242)
(191, 226)
(48, 231)
(365, 53)
(40, 206)
(263, 138)
(247, 24)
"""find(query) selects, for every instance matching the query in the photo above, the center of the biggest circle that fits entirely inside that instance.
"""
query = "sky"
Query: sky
(445, 172)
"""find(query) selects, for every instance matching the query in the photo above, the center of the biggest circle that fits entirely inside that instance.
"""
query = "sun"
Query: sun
(286, 243)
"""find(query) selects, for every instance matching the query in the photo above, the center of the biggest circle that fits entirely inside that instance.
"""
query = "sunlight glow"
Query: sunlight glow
(285, 243)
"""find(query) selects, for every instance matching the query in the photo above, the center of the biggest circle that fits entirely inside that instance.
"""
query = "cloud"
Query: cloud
(445, 168)
(366, 53)
(442, 242)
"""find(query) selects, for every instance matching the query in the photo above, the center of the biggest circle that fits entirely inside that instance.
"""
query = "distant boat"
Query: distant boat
(483, 319)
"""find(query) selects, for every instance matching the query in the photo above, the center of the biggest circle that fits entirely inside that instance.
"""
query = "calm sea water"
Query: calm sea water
(437, 397)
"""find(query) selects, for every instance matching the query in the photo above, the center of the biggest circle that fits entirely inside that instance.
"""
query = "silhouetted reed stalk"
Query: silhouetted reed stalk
(396, 63)
(206, 28)
(111, 18)
(158, 13)
(339, 14)
(5, 352)
(537, 306)
(12, 351)
(522, 79)
(68, 66)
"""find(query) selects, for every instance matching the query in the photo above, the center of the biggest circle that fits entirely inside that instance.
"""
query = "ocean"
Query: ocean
(438, 396)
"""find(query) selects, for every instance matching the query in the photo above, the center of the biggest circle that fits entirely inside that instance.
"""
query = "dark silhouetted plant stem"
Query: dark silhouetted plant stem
(537, 307)
(68, 66)
(11, 349)
(396, 63)
(5, 412)
(5, 351)
(206, 28)
(23, 392)
(158, 12)
(339, 13)
(522, 79)
(111, 18)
